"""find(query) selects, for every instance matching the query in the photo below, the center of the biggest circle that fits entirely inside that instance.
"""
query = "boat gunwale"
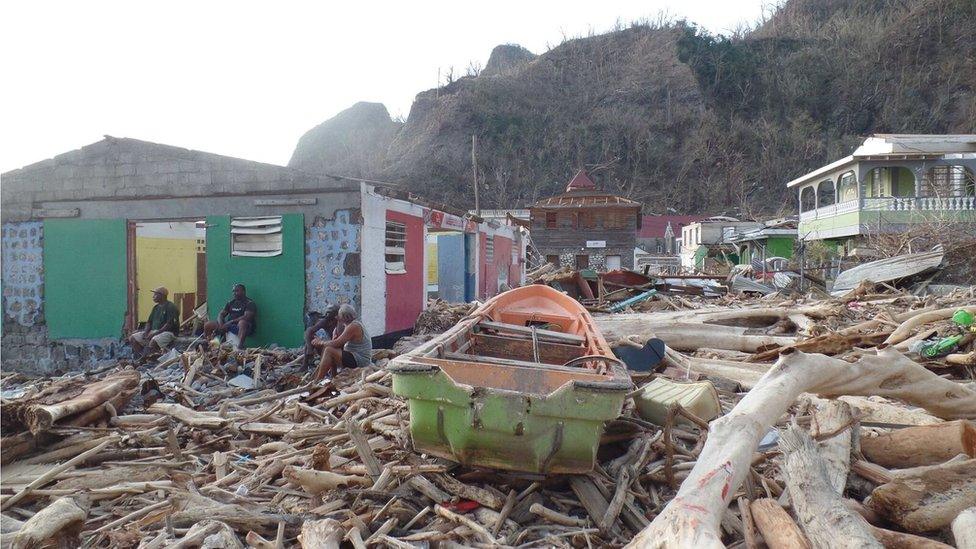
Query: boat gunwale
(616, 373)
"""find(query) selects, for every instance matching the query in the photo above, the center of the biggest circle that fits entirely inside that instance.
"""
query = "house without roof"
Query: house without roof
(585, 227)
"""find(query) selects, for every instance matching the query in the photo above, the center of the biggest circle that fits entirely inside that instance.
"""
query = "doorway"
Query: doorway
(446, 265)
(470, 266)
(171, 254)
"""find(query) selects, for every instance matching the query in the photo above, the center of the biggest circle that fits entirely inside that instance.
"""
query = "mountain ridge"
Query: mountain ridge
(671, 115)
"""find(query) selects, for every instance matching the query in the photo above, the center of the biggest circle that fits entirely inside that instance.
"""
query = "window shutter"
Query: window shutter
(255, 236)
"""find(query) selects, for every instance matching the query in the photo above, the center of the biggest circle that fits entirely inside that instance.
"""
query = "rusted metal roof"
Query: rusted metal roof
(581, 182)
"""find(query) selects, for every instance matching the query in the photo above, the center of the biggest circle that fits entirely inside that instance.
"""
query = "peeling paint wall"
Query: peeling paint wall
(333, 261)
(23, 271)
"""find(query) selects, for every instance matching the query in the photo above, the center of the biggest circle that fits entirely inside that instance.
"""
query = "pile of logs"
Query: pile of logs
(832, 435)
(828, 380)
(283, 466)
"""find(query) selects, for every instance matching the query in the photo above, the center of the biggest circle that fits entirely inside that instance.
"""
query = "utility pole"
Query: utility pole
(474, 173)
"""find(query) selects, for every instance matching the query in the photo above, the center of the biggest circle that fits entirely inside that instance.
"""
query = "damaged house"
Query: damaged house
(586, 228)
(889, 184)
(87, 234)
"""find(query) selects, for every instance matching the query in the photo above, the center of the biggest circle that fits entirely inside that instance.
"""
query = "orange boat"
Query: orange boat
(526, 382)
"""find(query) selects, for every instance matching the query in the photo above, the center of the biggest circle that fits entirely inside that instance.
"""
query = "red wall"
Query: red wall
(502, 261)
(405, 292)
(488, 272)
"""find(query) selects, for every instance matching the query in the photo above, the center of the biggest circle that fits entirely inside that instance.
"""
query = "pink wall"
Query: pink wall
(405, 292)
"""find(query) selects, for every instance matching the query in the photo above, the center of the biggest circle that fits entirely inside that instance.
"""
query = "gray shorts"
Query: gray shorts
(162, 339)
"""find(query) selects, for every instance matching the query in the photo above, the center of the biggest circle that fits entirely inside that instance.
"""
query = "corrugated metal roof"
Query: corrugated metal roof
(581, 181)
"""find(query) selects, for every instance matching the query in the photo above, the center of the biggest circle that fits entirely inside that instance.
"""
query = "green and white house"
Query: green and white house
(889, 183)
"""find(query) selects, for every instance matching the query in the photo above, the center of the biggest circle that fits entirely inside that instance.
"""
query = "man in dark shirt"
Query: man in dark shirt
(238, 317)
(327, 323)
(161, 326)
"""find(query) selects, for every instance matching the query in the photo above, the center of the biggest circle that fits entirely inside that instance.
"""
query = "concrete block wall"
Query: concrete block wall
(117, 169)
(27, 350)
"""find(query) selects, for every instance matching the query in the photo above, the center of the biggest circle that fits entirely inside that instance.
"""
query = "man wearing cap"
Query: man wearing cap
(160, 327)
(237, 320)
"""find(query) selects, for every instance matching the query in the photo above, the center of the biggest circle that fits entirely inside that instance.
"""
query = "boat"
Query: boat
(524, 383)
(888, 270)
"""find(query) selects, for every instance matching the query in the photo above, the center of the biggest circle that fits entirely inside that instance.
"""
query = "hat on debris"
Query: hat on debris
(161, 290)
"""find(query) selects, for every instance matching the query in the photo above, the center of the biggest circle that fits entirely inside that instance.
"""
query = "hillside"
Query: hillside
(675, 117)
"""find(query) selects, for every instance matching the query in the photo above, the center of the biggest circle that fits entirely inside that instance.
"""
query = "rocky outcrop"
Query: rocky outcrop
(507, 59)
(353, 142)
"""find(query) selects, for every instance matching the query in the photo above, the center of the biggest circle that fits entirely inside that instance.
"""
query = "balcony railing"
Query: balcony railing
(830, 211)
(894, 204)
(928, 203)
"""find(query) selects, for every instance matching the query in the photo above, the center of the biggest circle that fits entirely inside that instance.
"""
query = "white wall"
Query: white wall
(372, 261)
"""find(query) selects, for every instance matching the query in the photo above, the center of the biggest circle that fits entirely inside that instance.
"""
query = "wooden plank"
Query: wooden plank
(502, 347)
(527, 330)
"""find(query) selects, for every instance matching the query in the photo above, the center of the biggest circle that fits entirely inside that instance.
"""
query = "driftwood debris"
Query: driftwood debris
(929, 500)
(692, 517)
(922, 445)
(178, 456)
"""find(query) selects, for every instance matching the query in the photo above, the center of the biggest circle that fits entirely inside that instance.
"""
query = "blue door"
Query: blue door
(451, 267)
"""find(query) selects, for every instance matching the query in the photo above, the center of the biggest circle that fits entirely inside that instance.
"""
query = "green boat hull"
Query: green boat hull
(502, 429)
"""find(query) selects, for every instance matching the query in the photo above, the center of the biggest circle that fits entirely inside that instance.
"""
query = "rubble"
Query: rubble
(170, 453)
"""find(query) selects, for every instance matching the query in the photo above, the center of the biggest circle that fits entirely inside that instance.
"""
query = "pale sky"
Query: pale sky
(247, 79)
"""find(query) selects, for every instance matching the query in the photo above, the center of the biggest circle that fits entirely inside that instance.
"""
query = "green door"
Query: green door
(84, 277)
(276, 283)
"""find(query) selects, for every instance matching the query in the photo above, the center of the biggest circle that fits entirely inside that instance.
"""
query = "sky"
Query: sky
(247, 79)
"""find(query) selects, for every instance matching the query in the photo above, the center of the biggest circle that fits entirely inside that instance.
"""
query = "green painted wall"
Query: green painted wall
(84, 277)
(276, 284)
(850, 219)
(781, 246)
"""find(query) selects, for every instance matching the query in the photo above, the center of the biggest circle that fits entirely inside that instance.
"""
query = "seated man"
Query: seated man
(237, 320)
(160, 330)
(327, 322)
(350, 345)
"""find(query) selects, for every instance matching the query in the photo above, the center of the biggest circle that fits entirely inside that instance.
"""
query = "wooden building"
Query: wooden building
(586, 228)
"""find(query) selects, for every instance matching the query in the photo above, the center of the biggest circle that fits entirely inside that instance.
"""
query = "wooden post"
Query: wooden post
(474, 174)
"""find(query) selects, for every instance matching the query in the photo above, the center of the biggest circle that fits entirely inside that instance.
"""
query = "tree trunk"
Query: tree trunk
(321, 534)
(904, 330)
(40, 417)
(777, 528)
(928, 501)
(743, 373)
(900, 540)
(62, 519)
(821, 511)
(316, 482)
(831, 416)
(692, 518)
(187, 416)
(688, 336)
(879, 411)
(964, 529)
(922, 445)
